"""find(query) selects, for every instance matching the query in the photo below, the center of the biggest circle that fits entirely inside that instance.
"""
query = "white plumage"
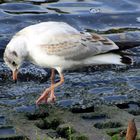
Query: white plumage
(59, 46)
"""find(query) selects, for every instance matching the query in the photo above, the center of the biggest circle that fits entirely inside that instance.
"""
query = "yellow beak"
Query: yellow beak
(15, 72)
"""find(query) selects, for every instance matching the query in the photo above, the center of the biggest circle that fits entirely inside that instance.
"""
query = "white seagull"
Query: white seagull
(59, 46)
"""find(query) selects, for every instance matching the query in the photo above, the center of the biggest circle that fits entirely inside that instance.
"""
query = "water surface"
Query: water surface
(111, 84)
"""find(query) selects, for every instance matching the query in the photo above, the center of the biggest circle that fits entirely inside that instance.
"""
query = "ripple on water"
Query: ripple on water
(138, 19)
(71, 7)
(115, 99)
(102, 90)
(104, 6)
(68, 102)
(82, 20)
(26, 109)
(22, 8)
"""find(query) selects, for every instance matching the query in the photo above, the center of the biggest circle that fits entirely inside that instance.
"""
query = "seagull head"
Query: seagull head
(14, 55)
(13, 61)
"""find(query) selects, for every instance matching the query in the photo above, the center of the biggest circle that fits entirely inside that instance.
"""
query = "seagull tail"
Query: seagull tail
(109, 58)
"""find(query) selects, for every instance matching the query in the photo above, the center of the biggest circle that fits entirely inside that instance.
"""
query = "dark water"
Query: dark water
(7, 131)
(110, 84)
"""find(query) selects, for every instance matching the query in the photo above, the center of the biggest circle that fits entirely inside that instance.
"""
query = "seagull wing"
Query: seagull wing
(79, 46)
(61, 39)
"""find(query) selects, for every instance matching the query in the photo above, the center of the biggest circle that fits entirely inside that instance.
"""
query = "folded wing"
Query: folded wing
(61, 39)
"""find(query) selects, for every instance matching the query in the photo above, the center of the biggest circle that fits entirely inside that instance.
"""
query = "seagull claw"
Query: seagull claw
(42, 98)
(51, 100)
(46, 98)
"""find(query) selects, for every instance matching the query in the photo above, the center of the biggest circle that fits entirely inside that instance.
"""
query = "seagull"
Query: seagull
(59, 46)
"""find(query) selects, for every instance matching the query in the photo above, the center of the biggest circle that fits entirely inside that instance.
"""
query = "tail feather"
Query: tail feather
(109, 58)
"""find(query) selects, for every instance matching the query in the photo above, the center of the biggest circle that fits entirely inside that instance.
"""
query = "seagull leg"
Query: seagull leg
(51, 88)
(52, 97)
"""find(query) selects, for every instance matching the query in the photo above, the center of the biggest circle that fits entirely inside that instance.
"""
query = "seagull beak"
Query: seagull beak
(15, 75)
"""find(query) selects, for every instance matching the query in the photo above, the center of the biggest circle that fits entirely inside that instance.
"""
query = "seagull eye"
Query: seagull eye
(14, 63)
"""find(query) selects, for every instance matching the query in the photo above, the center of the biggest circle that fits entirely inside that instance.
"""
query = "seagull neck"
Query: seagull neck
(23, 53)
(21, 48)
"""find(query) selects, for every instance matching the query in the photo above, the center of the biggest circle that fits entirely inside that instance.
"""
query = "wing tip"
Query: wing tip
(127, 60)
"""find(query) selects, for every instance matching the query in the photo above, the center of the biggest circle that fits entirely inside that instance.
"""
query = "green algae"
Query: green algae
(65, 131)
(113, 30)
(48, 123)
(79, 137)
(120, 30)
(109, 124)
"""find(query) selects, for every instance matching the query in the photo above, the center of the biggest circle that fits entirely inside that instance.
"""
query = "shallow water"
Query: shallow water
(111, 84)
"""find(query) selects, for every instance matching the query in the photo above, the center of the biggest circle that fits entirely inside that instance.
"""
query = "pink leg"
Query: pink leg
(52, 97)
(45, 94)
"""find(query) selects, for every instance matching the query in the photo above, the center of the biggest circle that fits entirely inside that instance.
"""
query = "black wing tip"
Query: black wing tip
(127, 60)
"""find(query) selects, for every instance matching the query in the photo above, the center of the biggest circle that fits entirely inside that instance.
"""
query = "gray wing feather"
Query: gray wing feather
(86, 45)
